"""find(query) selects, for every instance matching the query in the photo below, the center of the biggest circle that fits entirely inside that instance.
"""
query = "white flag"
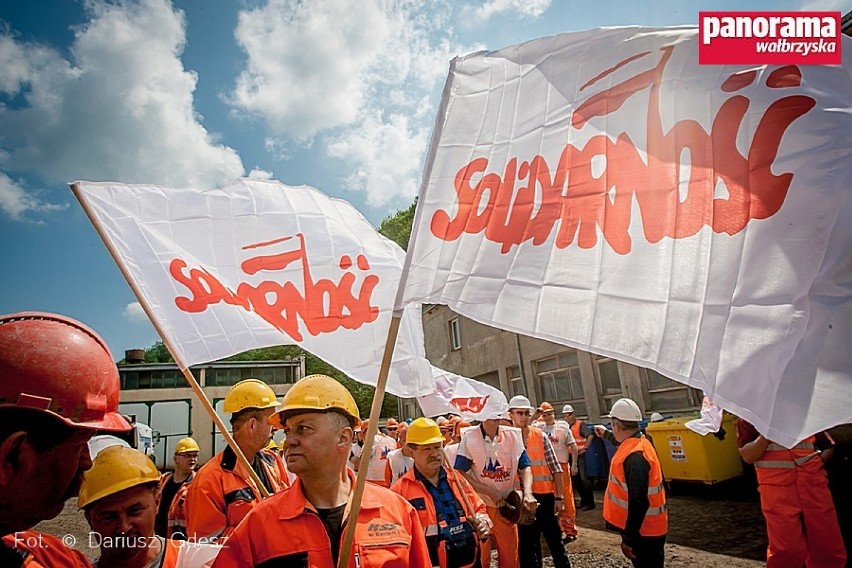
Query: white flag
(469, 398)
(602, 190)
(259, 264)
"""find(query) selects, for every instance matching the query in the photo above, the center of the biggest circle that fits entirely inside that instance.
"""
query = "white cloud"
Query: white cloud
(134, 312)
(122, 109)
(258, 173)
(389, 156)
(352, 77)
(15, 201)
(529, 8)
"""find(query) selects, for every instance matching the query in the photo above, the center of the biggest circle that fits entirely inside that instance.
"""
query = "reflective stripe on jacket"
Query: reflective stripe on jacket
(221, 494)
(418, 495)
(575, 430)
(286, 530)
(656, 521)
(39, 550)
(780, 466)
(542, 476)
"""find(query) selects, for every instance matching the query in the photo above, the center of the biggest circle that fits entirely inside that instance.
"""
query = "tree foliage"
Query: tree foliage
(397, 227)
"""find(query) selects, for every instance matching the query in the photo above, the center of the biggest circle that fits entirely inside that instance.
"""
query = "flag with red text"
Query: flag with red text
(602, 190)
(258, 264)
(469, 398)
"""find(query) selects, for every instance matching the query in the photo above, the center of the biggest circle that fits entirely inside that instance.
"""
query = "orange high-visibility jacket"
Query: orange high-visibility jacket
(615, 501)
(286, 528)
(542, 476)
(39, 550)
(780, 466)
(221, 493)
(416, 493)
(581, 440)
(176, 516)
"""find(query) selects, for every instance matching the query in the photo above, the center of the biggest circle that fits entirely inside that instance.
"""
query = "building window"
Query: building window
(560, 381)
(455, 334)
(516, 382)
(610, 381)
(667, 395)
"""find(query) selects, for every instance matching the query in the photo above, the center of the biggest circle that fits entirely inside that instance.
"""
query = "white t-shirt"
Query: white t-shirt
(382, 446)
(495, 461)
(399, 464)
(451, 450)
(561, 437)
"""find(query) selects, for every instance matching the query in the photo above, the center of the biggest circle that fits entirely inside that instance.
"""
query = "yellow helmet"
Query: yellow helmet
(319, 393)
(424, 431)
(186, 445)
(115, 469)
(271, 445)
(250, 393)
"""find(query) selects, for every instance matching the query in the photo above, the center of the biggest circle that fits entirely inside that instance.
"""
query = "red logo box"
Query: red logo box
(769, 38)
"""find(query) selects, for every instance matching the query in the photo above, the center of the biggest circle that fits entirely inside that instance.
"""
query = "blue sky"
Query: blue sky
(192, 93)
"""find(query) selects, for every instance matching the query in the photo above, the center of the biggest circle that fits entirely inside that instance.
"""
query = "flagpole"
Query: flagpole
(193, 383)
(364, 462)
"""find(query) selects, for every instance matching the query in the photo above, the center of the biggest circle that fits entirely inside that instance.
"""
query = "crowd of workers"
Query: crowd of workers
(441, 492)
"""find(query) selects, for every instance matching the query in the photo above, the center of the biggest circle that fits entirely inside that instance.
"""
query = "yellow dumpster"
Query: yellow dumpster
(685, 455)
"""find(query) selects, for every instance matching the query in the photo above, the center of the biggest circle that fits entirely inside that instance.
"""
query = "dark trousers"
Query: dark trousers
(582, 483)
(650, 552)
(546, 524)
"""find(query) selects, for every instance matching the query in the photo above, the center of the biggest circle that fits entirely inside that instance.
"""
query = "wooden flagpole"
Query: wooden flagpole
(363, 464)
(205, 402)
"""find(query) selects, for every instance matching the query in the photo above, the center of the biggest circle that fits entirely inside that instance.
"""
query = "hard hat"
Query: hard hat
(316, 393)
(567, 409)
(391, 423)
(409, 420)
(282, 444)
(424, 431)
(442, 421)
(520, 402)
(115, 469)
(186, 445)
(99, 443)
(545, 407)
(625, 409)
(271, 445)
(457, 427)
(363, 425)
(59, 366)
(656, 417)
(250, 393)
(511, 507)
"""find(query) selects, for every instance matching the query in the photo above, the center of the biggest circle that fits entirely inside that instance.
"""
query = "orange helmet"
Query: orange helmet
(457, 427)
(59, 366)
(545, 407)
(392, 423)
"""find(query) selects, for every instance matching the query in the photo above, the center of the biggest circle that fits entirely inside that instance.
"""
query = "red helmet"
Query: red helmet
(57, 365)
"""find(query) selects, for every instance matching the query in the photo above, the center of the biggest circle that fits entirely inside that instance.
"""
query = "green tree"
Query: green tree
(158, 353)
(397, 227)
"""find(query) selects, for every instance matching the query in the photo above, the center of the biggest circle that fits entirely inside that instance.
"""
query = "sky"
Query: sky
(338, 95)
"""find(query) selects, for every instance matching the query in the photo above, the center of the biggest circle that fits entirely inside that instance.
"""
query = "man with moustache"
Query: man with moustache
(58, 386)
(303, 525)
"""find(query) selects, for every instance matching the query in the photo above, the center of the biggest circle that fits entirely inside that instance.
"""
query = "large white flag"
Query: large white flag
(604, 191)
(469, 398)
(258, 264)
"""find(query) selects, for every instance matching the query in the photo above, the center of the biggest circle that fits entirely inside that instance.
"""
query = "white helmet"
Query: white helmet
(567, 409)
(520, 402)
(625, 409)
(656, 417)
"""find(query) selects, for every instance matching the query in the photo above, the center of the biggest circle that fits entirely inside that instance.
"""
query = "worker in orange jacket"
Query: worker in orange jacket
(304, 524)
(560, 435)
(635, 499)
(58, 386)
(119, 498)
(547, 489)
(801, 523)
(222, 493)
(453, 522)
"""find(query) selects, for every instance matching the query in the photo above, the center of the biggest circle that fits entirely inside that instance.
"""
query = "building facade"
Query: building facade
(542, 370)
(157, 394)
